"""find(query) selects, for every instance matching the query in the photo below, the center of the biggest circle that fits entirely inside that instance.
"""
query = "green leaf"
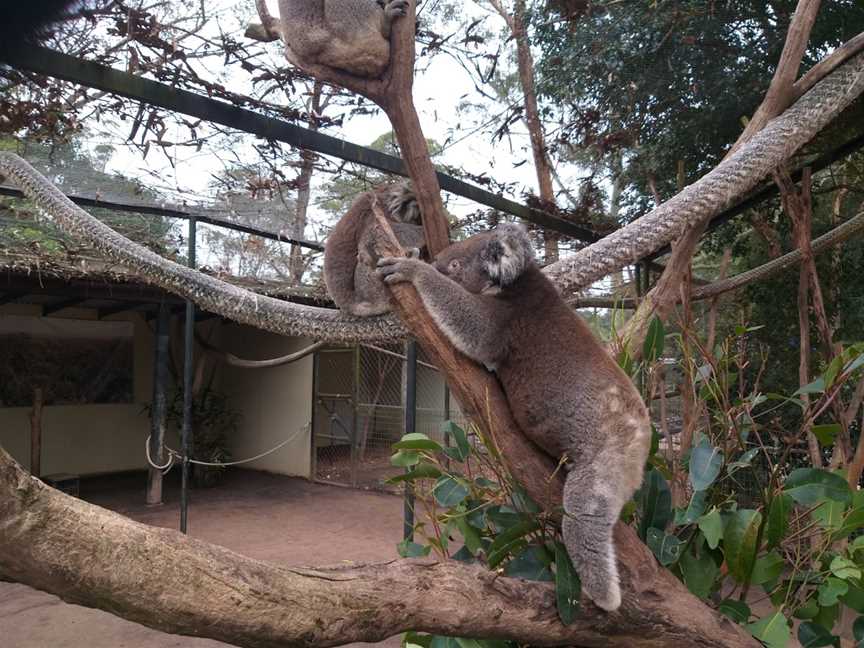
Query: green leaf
(417, 441)
(462, 450)
(655, 503)
(778, 519)
(412, 638)
(808, 486)
(812, 635)
(815, 387)
(767, 568)
(469, 534)
(844, 568)
(826, 433)
(832, 370)
(743, 461)
(694, 509)
(858, 629)
(666, 547)
(408, 549)
(739, 544)
(705, 464)
(809, 610)
(829, 514)
(443, 642)
(508, 540)
(773, 631)
(449, 492)
(827, 616)
(405, 458)
(711, 526)
(464, 555)
(423, 470)
(532, 563)
(831, 590)
(652, 348)
(854, 598)
(698, 571)
(567, 586)
(738, 611)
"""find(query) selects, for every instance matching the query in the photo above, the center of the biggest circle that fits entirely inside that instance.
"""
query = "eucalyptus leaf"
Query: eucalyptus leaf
(417, 441)
(826, 433)
(567, 586)
(744, 461)
(532, 563)
(448, 491)
(778, 519)
(739, 542)
(711, 526)
(409, 549)
(652, 348)
(773, 630)
(736, 610)
(808, 486)
(831, 590)
(813, 635)
(767, 568)
(666, 547)
(655, 503)
(705, 464)
(698, 571)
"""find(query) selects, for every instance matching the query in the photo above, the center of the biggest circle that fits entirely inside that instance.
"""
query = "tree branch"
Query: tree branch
(88, 555)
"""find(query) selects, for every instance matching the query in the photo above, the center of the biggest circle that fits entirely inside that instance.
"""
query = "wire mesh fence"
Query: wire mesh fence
(360, 412)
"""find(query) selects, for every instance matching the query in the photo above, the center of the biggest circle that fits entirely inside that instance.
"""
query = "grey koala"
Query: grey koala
(568, 395)
(349, 253)
(349, 35)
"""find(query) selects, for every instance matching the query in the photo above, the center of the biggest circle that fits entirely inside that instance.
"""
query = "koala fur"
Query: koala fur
(349, 253)
(566, 392)
(349, 35)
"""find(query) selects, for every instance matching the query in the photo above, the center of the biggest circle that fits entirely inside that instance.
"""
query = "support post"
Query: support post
(36, 434)
(410, 427)
(159, 405)
(188, 377)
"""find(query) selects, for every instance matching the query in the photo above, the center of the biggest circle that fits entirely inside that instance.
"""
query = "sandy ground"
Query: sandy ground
(269, 517)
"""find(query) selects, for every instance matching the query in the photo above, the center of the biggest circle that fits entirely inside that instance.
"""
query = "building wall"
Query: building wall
(275, 403)
(87, 439)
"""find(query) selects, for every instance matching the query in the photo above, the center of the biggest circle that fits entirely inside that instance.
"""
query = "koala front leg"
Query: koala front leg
(475, 324)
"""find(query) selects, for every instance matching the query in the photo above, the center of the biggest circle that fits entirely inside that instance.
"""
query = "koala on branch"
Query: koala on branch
(352, 36)
(489, 298)
(350, 251)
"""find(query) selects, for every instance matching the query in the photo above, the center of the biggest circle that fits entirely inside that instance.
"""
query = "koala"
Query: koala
(349, 253)
(568, 395)
(349, 35)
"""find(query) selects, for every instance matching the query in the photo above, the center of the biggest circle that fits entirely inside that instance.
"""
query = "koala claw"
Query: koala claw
(396, 8)
(395, 269)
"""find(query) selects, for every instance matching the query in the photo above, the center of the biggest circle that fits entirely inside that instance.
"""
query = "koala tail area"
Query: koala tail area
(26, 23)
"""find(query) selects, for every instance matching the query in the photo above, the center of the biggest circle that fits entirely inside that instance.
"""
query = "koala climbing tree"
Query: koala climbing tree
(565, 391)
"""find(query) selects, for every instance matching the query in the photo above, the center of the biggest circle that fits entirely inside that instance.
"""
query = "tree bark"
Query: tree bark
(159, 577)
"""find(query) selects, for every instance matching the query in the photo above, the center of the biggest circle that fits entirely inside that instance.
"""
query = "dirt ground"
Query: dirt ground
(268, 517)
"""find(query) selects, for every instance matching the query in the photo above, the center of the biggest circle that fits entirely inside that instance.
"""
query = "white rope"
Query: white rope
(172, 454)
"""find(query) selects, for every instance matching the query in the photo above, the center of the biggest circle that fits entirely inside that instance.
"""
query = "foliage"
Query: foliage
(213, 421)
(666, 84)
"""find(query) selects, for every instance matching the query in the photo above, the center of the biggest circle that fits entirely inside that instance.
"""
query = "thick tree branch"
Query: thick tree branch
(88, 555)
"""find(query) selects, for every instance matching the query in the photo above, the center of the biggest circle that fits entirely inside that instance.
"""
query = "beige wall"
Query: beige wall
(87, 439)
(276, 403)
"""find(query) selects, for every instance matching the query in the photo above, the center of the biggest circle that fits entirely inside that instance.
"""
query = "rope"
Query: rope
(173, 454)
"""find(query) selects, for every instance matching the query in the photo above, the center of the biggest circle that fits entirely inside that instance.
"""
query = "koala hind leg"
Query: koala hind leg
(590, 514)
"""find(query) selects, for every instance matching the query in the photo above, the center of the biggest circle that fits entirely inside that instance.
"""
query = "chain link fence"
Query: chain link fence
(360, 411)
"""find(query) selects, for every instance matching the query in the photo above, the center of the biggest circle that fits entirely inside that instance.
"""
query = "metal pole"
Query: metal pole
(159, 406)
(188, 360)
(410, 427)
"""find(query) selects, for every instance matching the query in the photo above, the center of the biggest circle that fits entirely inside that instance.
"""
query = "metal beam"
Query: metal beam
(48, 309)
(122, 308)
(69, 68)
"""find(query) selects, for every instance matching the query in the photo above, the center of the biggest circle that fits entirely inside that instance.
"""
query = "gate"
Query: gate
(359, 412)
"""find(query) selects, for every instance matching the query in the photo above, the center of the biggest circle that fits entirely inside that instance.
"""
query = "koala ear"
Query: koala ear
(507, 254)
(402, 203)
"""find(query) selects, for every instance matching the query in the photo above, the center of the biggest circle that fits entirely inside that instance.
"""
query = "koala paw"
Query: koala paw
(396, 8)
(413, 253)
(396, 269)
